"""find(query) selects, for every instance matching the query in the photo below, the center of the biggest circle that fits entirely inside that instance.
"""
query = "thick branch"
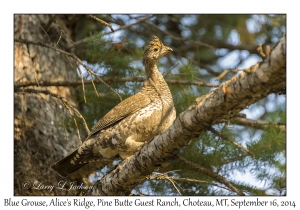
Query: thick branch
(224, 102)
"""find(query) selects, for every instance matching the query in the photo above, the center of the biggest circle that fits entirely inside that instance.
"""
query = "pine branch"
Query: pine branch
(121, 28)
(194, 43)
(211, 129)
(82, 84)
(200, 64)
(258, 124)
(108, 79)
(102, 21)
(203, 65)
(166, 177)
(224, 102)
(210, 173)
(218, 45)
(70, 55)
(250, 190)
(62, 31)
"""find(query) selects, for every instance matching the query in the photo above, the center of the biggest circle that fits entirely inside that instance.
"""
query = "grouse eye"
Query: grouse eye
(155, 49)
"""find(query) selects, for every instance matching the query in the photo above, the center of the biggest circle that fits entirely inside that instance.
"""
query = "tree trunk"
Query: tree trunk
(39, 135)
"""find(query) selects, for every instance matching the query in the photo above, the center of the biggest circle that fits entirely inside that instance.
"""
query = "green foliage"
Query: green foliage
(204, 46)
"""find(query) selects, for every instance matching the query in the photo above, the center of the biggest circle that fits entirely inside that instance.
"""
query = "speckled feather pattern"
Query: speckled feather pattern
(134, 121)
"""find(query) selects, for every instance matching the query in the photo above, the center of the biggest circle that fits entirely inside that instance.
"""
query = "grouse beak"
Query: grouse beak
(166, 50)
(169, 49)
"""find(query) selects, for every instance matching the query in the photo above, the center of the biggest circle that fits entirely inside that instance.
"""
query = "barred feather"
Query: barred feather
(134, 121)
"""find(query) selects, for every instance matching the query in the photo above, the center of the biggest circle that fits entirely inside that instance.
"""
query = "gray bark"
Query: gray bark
(39, 135)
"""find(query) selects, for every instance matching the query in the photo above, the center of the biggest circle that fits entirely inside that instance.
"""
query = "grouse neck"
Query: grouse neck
(153, 73)
(157, 81)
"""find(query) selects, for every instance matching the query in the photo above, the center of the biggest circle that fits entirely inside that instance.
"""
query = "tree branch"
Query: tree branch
(108, 79)
(194, 43)
(70, 55)
(210, 173)
(200, 64)
(217, 45)
(165, 177)
(229, 140)
(102, 21)
(224, 102)
(258, 124)
(121, 28)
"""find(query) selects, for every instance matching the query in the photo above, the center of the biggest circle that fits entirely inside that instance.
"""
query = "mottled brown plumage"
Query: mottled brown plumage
(134, 121)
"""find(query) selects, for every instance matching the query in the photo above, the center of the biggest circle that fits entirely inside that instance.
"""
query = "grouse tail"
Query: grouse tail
(64, 167)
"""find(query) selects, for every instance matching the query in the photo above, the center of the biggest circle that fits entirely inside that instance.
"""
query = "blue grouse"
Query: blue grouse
(134, 121)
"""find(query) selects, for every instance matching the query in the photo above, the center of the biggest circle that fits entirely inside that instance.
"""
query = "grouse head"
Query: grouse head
(154, 51)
